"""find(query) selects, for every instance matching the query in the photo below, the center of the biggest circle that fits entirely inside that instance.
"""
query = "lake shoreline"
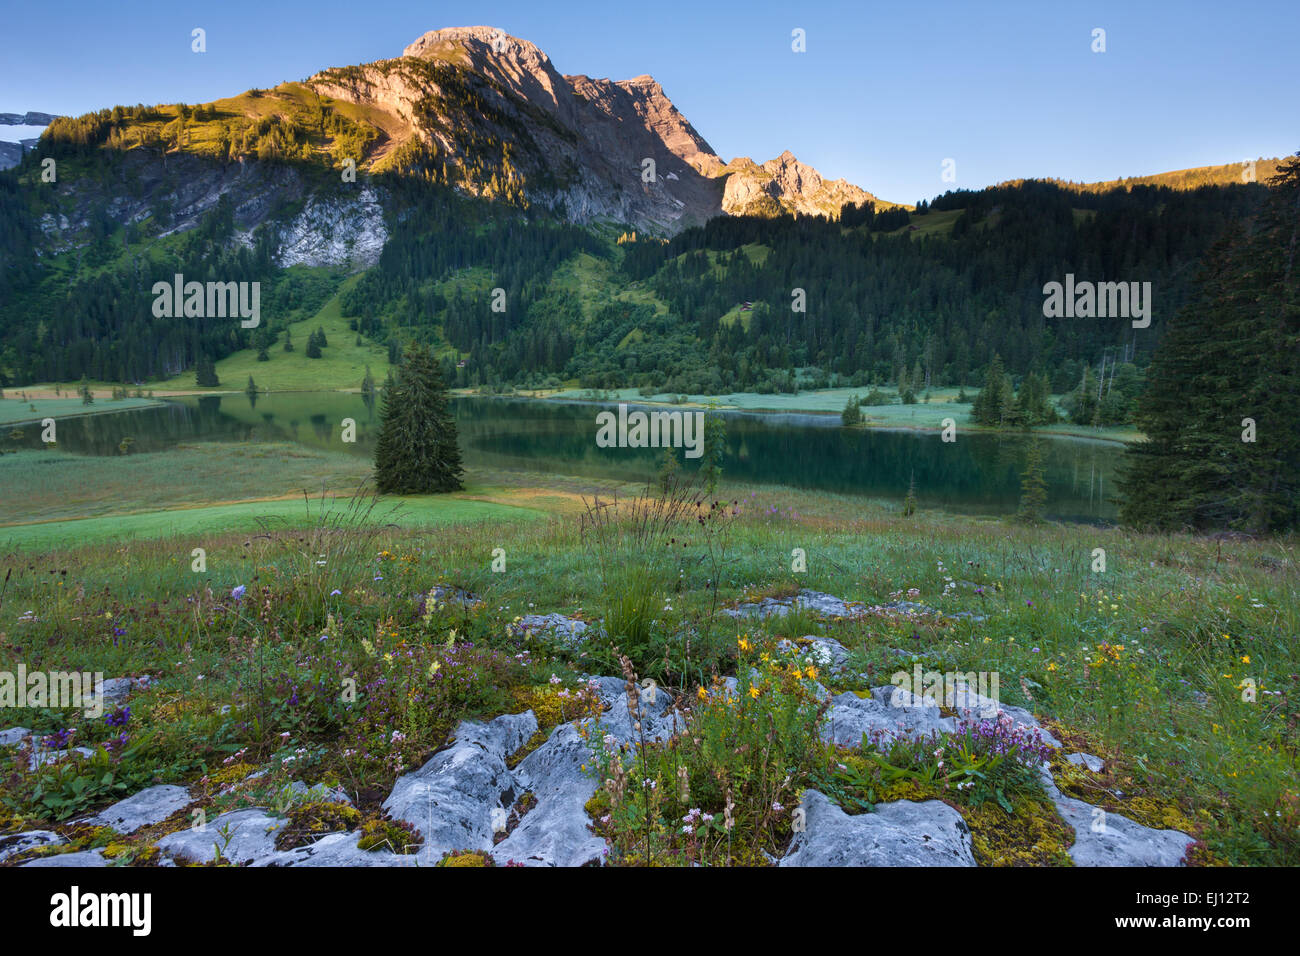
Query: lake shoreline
(807, 416)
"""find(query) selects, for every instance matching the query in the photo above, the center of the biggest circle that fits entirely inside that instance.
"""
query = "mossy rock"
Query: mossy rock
(533, 742)
(397, 836)
(235, 773)
(308, 822)
(552, 709)
(466, 858)
(1032, 835)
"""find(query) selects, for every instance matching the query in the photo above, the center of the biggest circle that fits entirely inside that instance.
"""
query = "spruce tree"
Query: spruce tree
(1033, 486)
(417, 450)
(715, 442)
(852, 414)
(1222, 449)
(669, 467)
(990, 405)
(205, 374)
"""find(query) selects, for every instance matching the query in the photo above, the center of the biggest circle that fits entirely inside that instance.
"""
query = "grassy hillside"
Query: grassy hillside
(342, 363)
(1227, 174)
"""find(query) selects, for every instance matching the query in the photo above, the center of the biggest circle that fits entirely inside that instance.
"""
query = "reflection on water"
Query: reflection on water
(976, 474)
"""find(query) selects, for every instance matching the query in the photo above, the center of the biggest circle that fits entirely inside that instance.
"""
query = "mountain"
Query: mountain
(480, 111)
(786, 185)
(500, 212)
(490, 113)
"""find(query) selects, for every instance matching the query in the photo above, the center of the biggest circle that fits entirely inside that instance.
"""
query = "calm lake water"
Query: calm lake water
(976, 474)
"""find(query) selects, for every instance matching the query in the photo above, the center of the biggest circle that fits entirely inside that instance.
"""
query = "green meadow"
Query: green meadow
(1142, 663)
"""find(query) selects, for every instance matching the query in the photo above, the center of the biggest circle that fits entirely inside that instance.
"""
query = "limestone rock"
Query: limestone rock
(82, 859)
(902, 833)
(1108, 839)
(451, 798)
(16, 843)
(143, 809)
(1095, 764)
(890, 712)
(42, 758)
(14, 736)
(568, 628)
(555, 832)
(243, 836)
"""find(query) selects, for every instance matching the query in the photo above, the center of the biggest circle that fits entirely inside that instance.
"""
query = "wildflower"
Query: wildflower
(743, 644)
(701, 693)
(335, 593)
(238, 592)
(1246, 659)
(754, 692)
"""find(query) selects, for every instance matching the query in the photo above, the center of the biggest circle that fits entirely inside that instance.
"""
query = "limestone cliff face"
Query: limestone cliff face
(491, 113)
(786, 183)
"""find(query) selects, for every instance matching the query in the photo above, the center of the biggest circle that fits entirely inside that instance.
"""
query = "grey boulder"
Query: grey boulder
(902, 833)
(243, 836)
(886, 715)
(555, 832)
(1095, 764)
(16, 843)
(1108, 839)
(451, 799)
(14, 736)
(81, 859)
(143, 809)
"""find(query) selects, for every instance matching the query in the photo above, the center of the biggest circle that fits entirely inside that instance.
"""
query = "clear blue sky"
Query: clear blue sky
(885, 92)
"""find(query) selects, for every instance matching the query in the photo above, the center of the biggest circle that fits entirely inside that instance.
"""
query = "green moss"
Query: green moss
(308, 822)
(466, 858)
(1033, 835)
(552, 709)
(1160, 813)
(396, 836)
(535, 741)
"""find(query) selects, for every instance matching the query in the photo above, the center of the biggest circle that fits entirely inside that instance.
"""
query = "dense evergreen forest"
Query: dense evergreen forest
(767, 304)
